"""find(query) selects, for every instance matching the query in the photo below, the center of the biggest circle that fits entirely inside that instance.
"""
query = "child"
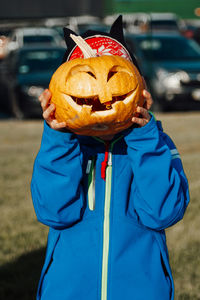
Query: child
(106, 239)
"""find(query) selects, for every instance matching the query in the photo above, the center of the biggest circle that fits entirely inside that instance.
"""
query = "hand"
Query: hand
(144, 116)
(49, 111)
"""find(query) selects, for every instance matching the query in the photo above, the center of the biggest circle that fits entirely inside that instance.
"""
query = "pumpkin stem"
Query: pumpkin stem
(83, 45)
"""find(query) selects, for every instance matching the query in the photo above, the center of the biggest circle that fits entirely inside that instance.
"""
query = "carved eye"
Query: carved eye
(116, 69)
(83, 69)
(110, 74)
(91, 74)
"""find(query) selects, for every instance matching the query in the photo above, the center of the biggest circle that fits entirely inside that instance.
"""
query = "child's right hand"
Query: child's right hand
(49, 111)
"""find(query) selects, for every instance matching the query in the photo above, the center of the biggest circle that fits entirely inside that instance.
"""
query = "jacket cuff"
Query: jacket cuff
(56, 134)
(142, 131)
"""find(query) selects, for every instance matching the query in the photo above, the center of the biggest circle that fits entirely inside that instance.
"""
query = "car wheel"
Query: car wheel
(14, 105)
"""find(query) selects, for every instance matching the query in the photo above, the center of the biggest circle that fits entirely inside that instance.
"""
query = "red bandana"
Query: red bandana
(102, 45)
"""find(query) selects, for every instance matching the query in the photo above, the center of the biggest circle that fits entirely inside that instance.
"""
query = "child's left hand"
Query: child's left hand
(144, 117)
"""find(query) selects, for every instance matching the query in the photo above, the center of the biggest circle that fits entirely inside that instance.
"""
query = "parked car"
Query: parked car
(165, 22)
(170, 64)
(79, 23)
(25, 73)
(146, 22)
(20, 37)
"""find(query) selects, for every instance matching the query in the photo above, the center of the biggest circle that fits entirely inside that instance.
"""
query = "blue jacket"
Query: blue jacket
(106, 239)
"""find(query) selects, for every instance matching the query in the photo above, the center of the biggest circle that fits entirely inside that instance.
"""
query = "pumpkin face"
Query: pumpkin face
(96, 96)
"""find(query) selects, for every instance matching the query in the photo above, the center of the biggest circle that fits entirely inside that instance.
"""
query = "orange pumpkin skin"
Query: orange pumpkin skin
(108, 80)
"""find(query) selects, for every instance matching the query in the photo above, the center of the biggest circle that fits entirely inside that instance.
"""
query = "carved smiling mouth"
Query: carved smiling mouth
(95, 103)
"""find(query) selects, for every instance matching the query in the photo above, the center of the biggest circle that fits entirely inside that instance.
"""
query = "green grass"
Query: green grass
(184, 238)
(23, 239)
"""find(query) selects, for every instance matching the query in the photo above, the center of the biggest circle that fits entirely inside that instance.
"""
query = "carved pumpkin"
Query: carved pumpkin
(98, 95)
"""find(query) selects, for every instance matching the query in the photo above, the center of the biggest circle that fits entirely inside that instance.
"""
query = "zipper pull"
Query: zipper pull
(89, 164)
(105, 162)
(91, 183)
(110, 159)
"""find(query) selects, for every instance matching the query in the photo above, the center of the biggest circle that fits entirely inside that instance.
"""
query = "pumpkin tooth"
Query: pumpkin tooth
(108, 105)
(96, 104)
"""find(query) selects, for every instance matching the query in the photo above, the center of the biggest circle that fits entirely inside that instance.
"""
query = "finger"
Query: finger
(148, 98)
(45, 104)
(56, 125)
(146, 94)
(44, 99)
(45, 94)
(143, 112)
(47, 114)
(139, 121)
(149, 103)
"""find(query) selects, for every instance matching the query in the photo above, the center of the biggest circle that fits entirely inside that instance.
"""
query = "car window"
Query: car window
(168, 48)
(164, 24)
(36, 61)
(38, 39)
(14, 38)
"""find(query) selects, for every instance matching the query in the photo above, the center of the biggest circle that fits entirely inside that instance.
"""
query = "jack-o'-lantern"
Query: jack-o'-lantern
(96, 95)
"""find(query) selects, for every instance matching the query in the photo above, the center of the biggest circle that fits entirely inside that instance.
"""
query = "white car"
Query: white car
(33, 35)
(145, 22)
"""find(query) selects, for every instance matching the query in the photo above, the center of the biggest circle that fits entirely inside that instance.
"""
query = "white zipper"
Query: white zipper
(106, 229)
(106, 225)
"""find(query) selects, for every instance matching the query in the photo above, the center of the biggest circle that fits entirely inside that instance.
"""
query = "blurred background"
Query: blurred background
(165, 37)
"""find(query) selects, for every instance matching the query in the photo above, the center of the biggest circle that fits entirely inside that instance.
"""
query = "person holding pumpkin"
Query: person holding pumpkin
(106, 195)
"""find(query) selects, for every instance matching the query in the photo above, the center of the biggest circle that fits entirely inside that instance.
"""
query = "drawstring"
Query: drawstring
(105, 162)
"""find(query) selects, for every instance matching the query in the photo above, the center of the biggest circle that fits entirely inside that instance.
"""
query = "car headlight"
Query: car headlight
(172, 80)
(33, 91)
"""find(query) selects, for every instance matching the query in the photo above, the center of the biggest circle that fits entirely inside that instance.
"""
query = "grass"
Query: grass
(23, 239)
(183, 238)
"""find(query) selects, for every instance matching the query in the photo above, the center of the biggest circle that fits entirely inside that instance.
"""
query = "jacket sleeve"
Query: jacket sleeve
(161, 192)
(56, 187)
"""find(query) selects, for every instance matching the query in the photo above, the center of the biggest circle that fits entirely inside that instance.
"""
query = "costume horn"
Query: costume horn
(83, 45)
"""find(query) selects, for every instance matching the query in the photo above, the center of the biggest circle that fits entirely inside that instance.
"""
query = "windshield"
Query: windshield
(164, 24)
(37, 61)
(168, 48)
(38, 39)
(96, 27)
